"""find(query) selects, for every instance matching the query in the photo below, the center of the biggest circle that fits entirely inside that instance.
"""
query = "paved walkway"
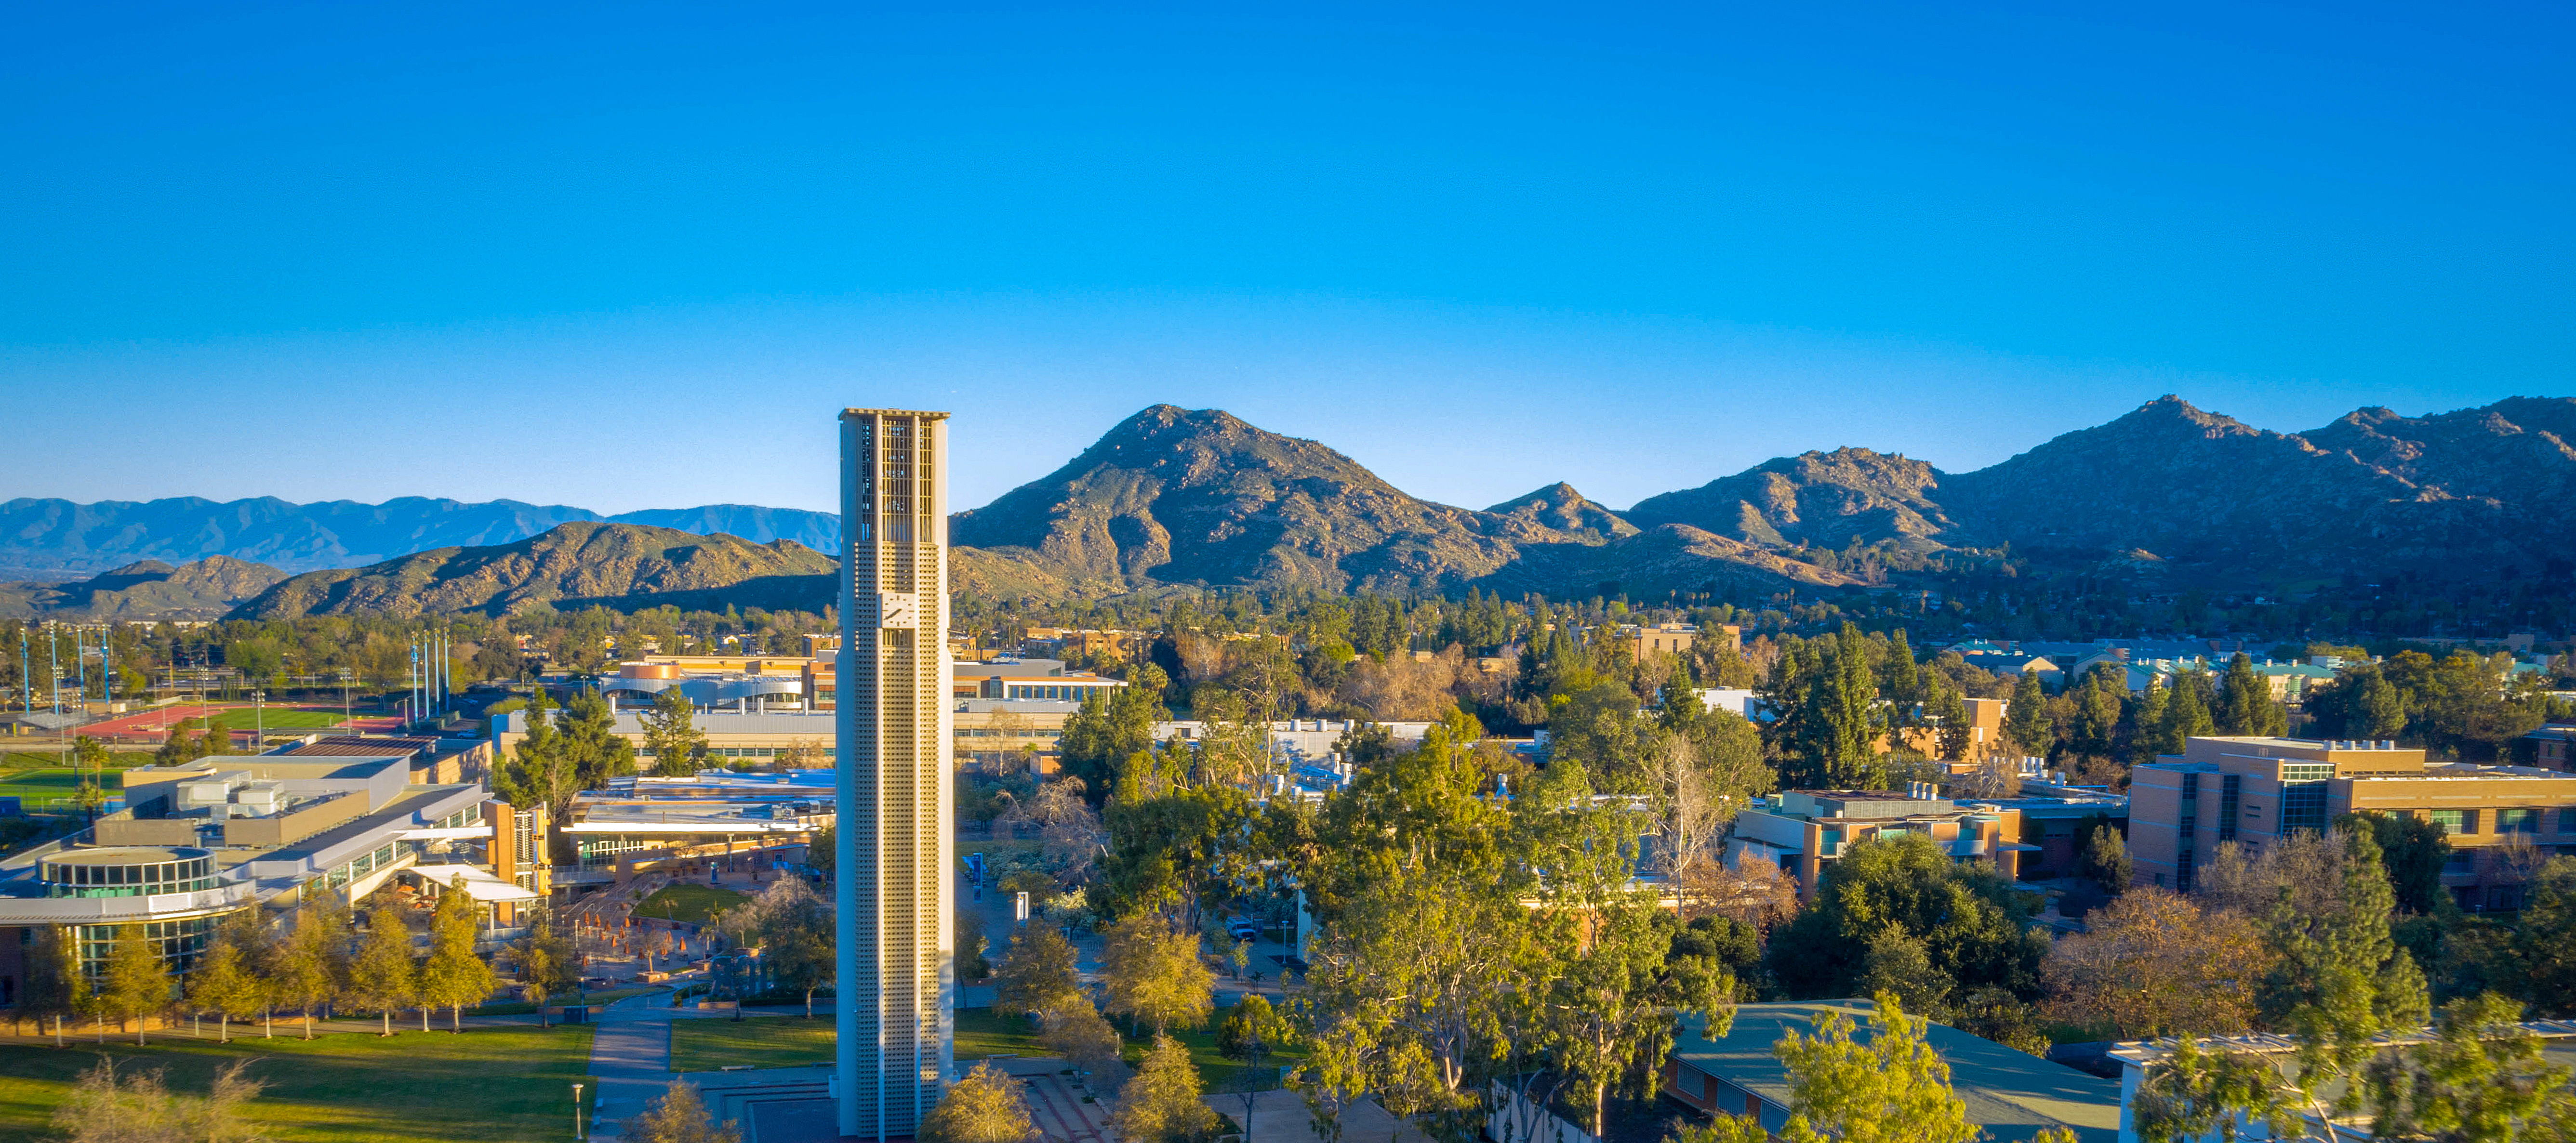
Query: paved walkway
(632, 1060)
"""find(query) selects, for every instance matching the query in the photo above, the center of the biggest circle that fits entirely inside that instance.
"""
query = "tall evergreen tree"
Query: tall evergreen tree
(2027, 726)
(589, 741)
(671, 733)
(2186, 713)
(1844, 722)
(2245, 705)
(1949, 712)
(2143, 722)
(1901, 680)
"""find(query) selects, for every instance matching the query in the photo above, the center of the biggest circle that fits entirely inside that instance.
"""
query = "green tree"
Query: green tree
(2104, 857)
(549, 966)
(55, 986)
(1038, 972)
(796, 939)
(2480, 1080)
(2146, 719)
(671, 735)
(135, 985)
(1948, 711)
(313, 962)
(382, 976)
(90, 760)
(453, 976)
(1161, 1104)
(539, 771)
(1892, 1088)
(223, 985)
(2339, 982)
(2186, 713)
(2544, 943)
(2027, 726)
(1974, 928)
(1842, 724)
(2245, 705)
(984, 1107)
(1154, 975)
(1613, 1004)
(678, 1116)
(1249, 1033)
(1112, 727)
(1251, 1030)
(587, 736)
(2413, 850)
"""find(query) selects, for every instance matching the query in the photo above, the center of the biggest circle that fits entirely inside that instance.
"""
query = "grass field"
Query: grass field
(508, 1084)
(760, 1041)
(706, 1045)
(694, 903)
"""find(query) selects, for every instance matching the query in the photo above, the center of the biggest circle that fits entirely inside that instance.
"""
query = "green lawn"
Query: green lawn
(689, 902)
(502, 1084)
(760, 1041)
(1215, 1071)
(36, 788)
(706, 1045)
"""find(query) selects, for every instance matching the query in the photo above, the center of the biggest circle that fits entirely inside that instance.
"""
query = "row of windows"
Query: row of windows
(740, 751)
(983, 732)
(2506, 821)
(1050, 691)
(179, 943)
(65, 879)
(601, 852)
(369, 862)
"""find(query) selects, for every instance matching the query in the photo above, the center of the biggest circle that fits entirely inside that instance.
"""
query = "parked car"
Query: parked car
(1242, 928)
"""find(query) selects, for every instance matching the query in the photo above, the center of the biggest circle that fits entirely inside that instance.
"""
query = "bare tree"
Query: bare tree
(1693, 810)
(1989, 776)
(1755, 892)
(2307, 866)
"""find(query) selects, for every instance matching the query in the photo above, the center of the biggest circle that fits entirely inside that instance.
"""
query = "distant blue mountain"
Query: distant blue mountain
(60, 539)
(820, 531)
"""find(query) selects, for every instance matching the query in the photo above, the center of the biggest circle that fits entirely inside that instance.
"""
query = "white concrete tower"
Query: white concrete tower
(895, 892)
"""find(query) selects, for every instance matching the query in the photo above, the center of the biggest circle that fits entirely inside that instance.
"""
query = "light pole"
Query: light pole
(258, 721)
(576, 1112)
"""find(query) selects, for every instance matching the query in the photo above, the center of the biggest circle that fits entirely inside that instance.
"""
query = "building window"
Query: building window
(2228, 788)
(2456, 822)
(2517, 821)
(2303, 807)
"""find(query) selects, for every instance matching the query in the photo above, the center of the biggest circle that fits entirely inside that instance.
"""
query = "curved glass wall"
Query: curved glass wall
(128, 873)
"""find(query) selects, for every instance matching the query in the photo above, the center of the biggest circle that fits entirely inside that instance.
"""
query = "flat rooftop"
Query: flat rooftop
(2012, 1094)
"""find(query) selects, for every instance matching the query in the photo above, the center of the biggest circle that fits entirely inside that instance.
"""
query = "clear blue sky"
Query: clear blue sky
(635, 255)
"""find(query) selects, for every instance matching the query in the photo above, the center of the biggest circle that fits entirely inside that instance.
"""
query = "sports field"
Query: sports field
(272, 717)
(491, 1084)
(39, 779)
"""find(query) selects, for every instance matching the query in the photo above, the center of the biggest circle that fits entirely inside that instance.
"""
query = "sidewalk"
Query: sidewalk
(631, 1060)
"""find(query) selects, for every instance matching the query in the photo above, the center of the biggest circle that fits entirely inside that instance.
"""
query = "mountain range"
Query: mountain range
(1172, 496)
(60, 539)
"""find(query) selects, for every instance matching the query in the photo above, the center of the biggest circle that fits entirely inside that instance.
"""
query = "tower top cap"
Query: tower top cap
(848, 413)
